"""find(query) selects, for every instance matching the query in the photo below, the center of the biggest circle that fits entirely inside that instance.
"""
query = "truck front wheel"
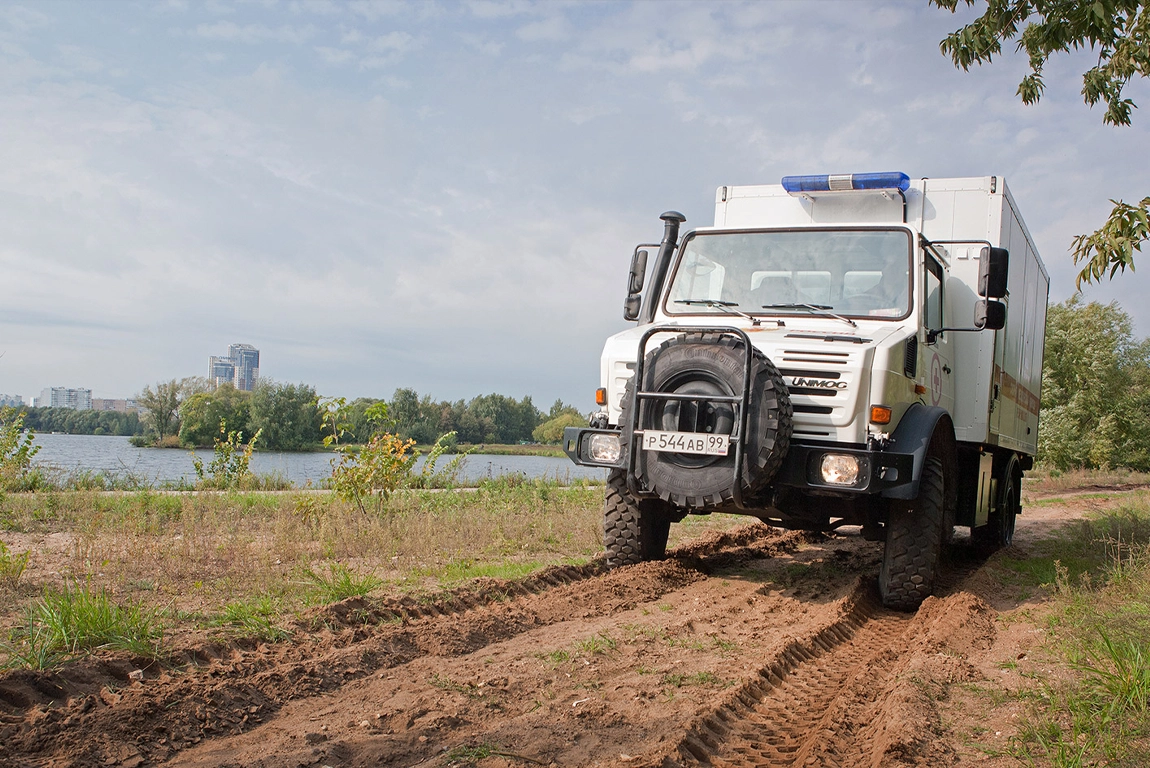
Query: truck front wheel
(914, 537)
(634, 530)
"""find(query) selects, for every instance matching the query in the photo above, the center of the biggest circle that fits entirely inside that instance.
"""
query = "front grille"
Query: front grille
(819, 409)
(812, 391)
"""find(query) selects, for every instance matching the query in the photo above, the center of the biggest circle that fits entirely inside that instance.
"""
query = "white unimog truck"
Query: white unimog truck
(839, 350)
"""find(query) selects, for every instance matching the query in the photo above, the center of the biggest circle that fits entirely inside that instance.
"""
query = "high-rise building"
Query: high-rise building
(247, 360)
(11, 401)
(65, 397)
(241, 367)
(221, 370)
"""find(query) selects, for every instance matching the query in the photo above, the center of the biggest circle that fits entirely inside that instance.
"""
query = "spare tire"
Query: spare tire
(709, 364)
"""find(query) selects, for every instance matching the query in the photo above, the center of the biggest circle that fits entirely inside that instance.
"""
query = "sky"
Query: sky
(445, 195)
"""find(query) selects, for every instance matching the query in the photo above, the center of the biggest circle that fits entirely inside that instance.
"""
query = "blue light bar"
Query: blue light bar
(846, 182)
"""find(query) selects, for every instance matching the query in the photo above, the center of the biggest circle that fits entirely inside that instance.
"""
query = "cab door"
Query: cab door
(938, 357)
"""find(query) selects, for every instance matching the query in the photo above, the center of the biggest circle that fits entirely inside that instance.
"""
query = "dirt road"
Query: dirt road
(754, 647)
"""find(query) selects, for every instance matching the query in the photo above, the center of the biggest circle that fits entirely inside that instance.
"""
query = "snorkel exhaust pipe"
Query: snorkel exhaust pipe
(671, 222)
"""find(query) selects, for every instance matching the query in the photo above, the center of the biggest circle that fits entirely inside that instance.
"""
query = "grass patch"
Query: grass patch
(597, 644)
(339, 583)
(462, 570)
(77, 619)
(472, 754)
(257, 618)
(1097, 709)
(556, 657)
(1087, 547)
(444, 683)
(1048, 480)
(678, 679)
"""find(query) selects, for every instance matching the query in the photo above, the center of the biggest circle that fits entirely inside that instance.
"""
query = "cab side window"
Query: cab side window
(933, 308)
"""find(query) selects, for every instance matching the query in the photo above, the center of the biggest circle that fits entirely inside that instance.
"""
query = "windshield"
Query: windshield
(859, 273)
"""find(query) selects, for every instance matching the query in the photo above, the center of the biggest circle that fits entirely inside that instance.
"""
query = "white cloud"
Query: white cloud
(21, 18)
(552, 29)
(334, 55)
(231, 32)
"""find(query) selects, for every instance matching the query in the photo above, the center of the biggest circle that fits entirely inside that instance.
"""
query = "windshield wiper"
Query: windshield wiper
(820, 309)
(726, 306)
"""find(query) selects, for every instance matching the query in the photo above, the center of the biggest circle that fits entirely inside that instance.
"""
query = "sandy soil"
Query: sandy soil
(755, 647)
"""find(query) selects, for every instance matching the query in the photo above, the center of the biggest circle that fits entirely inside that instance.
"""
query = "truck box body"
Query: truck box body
(999, 405)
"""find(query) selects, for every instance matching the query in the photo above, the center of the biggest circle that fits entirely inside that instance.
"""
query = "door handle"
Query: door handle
(946, 367)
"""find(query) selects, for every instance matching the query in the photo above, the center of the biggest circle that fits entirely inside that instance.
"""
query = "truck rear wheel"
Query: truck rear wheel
(999, 529)
(710, 364)
(914, 537)
(634, 530)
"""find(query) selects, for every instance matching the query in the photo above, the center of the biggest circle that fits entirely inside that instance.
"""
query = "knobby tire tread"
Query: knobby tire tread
(633, 531)
(914, 543)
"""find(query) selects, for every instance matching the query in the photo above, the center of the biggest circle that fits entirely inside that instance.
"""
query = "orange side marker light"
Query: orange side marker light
(880, 414)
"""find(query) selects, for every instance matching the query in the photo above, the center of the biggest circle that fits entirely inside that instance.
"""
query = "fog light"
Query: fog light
(840, 469)
(604, 448)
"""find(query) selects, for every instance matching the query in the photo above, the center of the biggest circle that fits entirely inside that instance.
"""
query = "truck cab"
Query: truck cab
(835, 350)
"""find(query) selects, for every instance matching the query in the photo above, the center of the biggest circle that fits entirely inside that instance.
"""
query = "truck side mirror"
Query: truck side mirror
(992, 269)
(990, 315)
(638, 269)
(631, 306)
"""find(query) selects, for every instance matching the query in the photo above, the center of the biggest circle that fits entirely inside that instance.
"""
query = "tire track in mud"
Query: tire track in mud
(95, 716)
(784, 715)
(808, 707)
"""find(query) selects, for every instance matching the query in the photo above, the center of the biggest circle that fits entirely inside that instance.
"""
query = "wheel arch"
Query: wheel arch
(921, 429)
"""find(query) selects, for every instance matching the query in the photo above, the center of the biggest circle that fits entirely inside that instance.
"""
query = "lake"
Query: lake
(115, 456)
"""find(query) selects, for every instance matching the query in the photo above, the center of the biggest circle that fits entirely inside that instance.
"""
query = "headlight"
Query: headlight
(604, 448)
(842, 469)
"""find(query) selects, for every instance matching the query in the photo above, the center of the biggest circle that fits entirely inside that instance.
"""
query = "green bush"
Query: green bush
(1095, 389)
(17, 449)
(230, 467)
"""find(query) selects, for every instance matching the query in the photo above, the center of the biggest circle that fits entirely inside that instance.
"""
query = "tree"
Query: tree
(559, 417)
(288, 416)
(1095, 389)
(162, 404)
(551, 431)
(1119, 30)
(201, 414)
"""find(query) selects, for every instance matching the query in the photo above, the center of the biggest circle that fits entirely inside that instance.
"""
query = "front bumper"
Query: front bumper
(878, 471)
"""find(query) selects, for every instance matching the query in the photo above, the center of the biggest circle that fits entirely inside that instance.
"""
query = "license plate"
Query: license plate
(686, 442)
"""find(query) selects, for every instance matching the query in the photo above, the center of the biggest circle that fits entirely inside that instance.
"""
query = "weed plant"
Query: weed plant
(229, 468)
(12, 566)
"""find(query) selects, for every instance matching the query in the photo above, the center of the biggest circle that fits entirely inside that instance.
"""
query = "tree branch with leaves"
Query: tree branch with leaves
(1118, 31)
